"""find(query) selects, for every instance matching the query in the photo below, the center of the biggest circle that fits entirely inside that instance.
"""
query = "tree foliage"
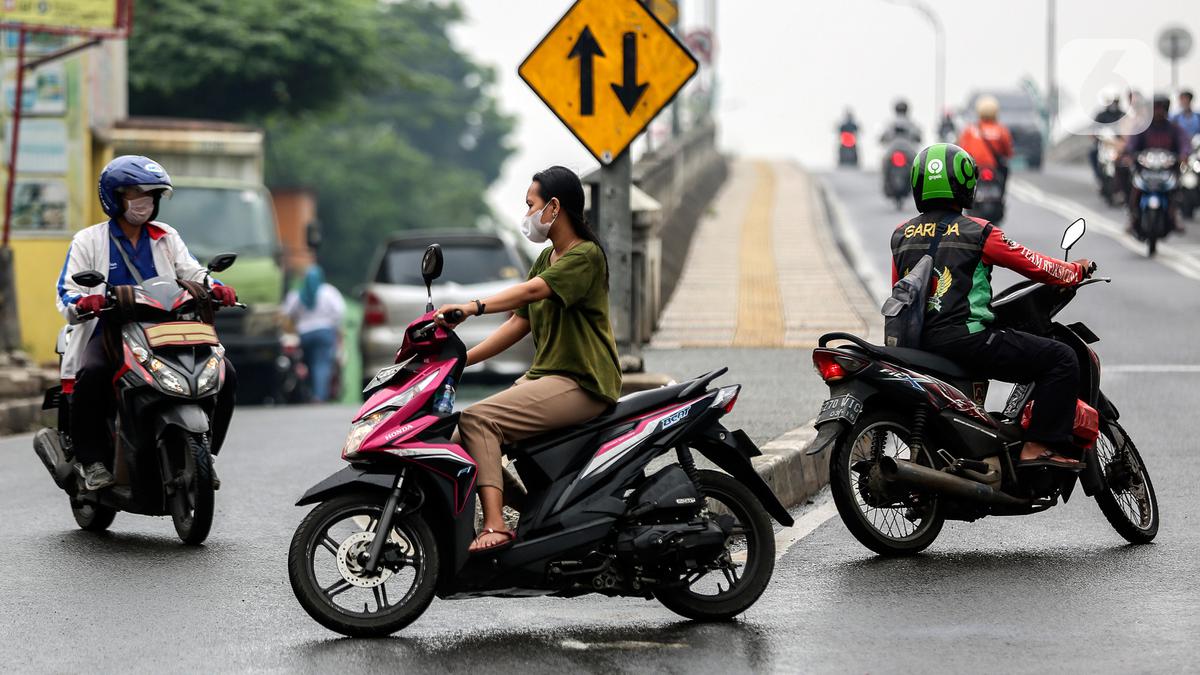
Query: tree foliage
(240, 60)
(416, 149)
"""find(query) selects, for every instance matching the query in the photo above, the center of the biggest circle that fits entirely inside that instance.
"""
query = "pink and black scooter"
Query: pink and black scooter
(601, 515)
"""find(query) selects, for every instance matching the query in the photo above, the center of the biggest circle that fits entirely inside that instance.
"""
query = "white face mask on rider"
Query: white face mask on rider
(138, 211)
(534, 229)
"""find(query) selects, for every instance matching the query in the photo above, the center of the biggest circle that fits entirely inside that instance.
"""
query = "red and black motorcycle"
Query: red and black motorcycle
(912, 445)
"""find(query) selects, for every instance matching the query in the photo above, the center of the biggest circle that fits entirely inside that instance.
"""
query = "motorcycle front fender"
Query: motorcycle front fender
(349, 479)
(190, 417)
(732, 455)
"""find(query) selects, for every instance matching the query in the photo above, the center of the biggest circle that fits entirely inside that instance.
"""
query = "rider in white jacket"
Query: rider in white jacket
(130, 190)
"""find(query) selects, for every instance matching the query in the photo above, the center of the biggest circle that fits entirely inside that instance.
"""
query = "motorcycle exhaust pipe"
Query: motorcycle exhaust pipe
(48, 447)
(940, 482)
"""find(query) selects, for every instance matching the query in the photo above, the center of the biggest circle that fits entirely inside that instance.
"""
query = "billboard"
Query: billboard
(98, 18)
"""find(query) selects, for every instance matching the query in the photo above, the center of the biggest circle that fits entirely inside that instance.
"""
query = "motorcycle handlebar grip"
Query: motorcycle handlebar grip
(455, 316)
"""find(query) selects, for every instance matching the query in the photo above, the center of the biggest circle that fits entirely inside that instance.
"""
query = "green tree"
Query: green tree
(417, 149)
(242, 60)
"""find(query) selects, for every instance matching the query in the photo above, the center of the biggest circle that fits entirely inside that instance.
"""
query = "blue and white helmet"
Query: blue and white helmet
(131, 171)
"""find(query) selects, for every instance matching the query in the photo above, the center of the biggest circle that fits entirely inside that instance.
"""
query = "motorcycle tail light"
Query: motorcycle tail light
(898, 159)
(848, 139)
(726, 398)
(833, 366)
(987, 174)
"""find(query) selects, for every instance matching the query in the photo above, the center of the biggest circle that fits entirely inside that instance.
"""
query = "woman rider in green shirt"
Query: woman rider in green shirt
(575, 374)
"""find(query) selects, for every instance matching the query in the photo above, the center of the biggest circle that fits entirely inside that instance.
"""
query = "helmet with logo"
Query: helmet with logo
(129, 171)
(943, 172)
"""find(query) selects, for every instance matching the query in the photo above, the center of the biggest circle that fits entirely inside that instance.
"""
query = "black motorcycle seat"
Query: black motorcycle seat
(918, 359)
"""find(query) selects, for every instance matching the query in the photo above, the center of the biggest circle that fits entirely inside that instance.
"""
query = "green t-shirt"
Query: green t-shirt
(572, 335)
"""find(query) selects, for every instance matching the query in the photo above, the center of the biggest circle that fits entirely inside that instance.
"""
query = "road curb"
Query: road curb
(794, 476)
(848, 242)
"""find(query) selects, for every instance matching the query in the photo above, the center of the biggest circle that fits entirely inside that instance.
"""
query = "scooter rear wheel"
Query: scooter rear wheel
(324, 567)
(745, 567)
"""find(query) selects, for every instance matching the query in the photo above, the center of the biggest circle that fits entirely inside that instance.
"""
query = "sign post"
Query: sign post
(1174, 43)
(606, 69)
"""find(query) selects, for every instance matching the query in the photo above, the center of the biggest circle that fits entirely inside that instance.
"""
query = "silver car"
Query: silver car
(478, 264)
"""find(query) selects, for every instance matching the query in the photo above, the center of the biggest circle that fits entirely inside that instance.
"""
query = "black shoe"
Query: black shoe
(95, 476)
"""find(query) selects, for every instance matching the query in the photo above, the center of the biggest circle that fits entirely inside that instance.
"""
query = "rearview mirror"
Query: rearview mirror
(431, 268)
(1073, 233)
(221, 262)
(88, 278)
(431, 263)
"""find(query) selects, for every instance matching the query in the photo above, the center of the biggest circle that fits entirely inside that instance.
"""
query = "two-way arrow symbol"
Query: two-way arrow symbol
(628, 92)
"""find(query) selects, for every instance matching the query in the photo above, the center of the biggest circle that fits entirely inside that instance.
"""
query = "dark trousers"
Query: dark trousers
(94, 402)
(1013, 356)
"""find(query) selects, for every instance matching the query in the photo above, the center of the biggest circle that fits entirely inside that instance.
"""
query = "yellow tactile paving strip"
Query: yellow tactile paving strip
(763, 269)
(760, 310)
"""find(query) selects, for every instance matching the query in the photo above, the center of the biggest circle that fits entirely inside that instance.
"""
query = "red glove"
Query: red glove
(91, 304)
(224, 295)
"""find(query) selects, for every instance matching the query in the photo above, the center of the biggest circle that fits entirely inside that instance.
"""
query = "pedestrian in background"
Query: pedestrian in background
(1187, 119)
(317, 308)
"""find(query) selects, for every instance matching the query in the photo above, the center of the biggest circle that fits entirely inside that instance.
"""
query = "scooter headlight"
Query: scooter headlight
(210, 375)
(168, 378)
(359, 432)
(403, 398)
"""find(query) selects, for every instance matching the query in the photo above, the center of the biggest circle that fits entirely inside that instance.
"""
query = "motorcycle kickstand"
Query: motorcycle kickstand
(371, 565)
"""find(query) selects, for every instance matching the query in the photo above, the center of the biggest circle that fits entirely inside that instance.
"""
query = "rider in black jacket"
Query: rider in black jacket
(958, 316)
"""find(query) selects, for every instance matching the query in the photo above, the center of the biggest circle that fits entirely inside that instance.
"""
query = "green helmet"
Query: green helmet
(944, 171)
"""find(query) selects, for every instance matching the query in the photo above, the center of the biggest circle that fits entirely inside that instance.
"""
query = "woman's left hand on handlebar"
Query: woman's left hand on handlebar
(445, 312)
(1088, 267)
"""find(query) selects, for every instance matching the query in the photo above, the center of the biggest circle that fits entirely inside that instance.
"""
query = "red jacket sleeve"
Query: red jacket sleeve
(1002, 251)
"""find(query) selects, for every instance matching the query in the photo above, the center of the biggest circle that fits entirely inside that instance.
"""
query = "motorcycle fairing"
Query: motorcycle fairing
(644, 427)
(425, 380)
(446, 460)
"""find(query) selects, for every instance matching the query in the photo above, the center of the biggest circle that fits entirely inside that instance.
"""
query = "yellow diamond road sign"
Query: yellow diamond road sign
(606, 69)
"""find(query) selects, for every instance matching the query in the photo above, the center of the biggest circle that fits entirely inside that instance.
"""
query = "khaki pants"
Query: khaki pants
(526, 409)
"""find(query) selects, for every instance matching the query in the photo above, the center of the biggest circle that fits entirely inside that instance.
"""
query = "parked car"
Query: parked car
(478, 264)
(1020, 113)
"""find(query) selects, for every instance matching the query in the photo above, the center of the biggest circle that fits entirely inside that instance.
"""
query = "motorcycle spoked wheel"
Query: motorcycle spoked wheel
(746, 565)
(1127, 497)
(330, 584)
(903, 526)
(192, 502)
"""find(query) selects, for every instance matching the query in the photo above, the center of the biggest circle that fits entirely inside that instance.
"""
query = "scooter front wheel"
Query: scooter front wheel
(93, 517)
(192, 501)
(325, 567)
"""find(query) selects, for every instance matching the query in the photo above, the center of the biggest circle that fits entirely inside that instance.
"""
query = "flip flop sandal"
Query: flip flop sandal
(1052, 461)
(512, 537)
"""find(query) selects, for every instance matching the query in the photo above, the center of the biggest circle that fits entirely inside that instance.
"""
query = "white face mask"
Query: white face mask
(137, 211)
(534, 229)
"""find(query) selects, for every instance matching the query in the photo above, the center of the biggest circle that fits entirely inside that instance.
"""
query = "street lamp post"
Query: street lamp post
(939, 37)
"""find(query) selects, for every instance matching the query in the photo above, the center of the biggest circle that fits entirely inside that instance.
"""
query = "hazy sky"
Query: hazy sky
(788, 68)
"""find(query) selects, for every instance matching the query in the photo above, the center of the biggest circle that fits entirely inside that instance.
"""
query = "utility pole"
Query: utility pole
(614, 214)
(1051, 65)
(939, 38)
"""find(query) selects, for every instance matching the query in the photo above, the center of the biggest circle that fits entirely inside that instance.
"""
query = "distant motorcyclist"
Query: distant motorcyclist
(958, 317)
(1110, 114)
(849, 124)
(1162, 134)
(901, 127)
(131, 188)
(987, 140)
(947, 130)
(1187, 119)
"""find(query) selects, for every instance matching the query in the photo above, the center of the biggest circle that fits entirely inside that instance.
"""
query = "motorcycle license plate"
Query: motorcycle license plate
(845, 408)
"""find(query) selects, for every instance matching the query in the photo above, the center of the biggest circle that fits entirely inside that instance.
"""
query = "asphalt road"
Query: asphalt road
(1055, 592)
